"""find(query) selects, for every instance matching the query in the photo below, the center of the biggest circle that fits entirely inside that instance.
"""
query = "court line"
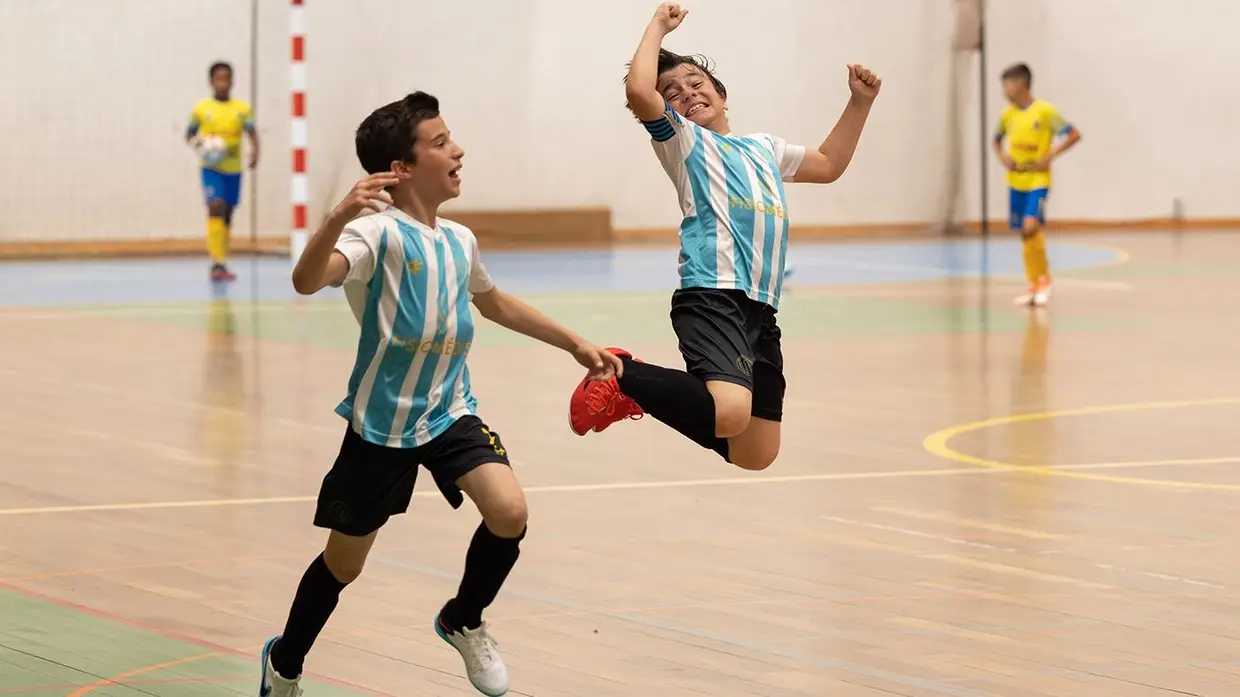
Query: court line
(1012, 550)
(559, 488)
(116, 679)
(171, 634)
(625, 486)
(967, 522)
(937, 443)
(130, 683)
(201, 307)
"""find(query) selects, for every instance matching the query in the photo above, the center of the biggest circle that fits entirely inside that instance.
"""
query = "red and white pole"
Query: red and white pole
(300, 181)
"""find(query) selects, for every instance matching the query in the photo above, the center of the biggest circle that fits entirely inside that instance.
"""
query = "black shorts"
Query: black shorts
(726, 335)
(370, 483)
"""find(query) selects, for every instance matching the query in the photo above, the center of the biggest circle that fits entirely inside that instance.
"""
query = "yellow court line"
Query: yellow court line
(937, 443)
(997, 468)
(967, 522)
(546, 489)
(1016, 571)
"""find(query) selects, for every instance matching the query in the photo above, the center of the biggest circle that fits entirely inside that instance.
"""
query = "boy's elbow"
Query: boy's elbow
(304, 285)
(645, 103)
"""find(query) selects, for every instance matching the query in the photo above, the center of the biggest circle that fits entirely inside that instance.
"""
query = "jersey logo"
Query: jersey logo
(415, 267)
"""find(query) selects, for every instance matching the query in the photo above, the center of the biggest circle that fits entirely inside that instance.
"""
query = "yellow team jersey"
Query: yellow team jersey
(1030, 132)
(228, 120)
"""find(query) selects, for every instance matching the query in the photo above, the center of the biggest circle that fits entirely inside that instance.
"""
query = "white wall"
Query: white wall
(97, 94)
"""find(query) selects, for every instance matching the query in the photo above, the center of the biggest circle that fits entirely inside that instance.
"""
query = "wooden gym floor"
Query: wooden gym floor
(973, 499)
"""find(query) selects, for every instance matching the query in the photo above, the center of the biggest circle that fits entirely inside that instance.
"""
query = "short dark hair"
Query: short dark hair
(669, 60)
(219, 65)
(389, 133)
(1019, 71)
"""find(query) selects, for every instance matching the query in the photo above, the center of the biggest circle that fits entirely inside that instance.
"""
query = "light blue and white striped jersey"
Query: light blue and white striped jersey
(735, 229)
(410, 288)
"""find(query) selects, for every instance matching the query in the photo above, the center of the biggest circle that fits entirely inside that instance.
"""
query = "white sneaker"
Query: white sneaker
(1042, 294)
(272, 684)
(483, 664)
(1038, 295)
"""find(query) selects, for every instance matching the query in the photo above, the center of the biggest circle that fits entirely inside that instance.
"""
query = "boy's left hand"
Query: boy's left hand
(602, 364)
(863, 82)
(1042, 165)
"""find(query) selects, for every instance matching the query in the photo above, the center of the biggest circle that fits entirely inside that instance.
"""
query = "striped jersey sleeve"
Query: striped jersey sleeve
(479, 278)
(667, 126)
(788, 156)
(359, 243)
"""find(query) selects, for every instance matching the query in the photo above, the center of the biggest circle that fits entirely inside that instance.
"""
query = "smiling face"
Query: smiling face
(694, 96)
(410, 139)
(436, 169)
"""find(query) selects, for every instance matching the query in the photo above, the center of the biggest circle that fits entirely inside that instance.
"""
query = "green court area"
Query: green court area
(49, 650)
(629, 318)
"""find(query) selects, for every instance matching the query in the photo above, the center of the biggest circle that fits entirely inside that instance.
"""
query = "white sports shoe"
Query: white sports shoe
(1038, 295)
(483, 664)
(1042, 294)
(272, 684)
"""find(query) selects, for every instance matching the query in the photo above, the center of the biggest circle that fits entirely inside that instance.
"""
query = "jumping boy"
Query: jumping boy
(732, 252)
(1030, 127)
(409, 277)
(222, 116)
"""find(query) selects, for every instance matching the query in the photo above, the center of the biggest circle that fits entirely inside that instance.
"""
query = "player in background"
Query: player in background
(1030, 127)
(409, 277)
(733, 237)
(221, 116)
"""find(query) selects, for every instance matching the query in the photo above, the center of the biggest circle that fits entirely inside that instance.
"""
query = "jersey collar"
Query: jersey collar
(394, 212)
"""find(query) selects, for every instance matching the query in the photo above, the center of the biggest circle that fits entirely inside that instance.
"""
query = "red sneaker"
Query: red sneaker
(596, 405)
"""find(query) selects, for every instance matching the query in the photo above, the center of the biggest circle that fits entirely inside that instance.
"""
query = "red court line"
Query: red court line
(137, 683)
(168, 633)
(116, 679)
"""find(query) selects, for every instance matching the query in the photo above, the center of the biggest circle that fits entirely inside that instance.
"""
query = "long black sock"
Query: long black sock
(487, 563)
(316, 598)
(677, 399)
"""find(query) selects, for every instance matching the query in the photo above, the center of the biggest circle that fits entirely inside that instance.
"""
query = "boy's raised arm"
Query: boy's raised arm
(640, 86)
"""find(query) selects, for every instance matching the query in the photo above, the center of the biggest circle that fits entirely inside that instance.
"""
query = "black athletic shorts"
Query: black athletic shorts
(370, 483)
(726, 335)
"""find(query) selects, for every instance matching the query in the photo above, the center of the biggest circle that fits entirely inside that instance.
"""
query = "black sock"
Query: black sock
(487, 564)
(316, 598)
(677, 399)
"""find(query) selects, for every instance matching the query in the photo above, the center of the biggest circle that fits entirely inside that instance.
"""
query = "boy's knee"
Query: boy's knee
(345, 555)
(507, 518)
(217, 208)
(732, 417)
(346, 568)
(756, 451)
(757, 459)
(1030, 227)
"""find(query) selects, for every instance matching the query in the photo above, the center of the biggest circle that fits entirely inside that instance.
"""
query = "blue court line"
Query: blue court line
(874, 673)
(645, 269)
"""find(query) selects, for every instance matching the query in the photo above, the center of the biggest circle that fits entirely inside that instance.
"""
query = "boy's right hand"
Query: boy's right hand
(1010, 164)
(367, 193)
(668, 17)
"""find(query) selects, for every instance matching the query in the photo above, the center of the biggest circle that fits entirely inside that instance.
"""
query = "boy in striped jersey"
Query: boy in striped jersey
(732, 256)
(410, 277)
